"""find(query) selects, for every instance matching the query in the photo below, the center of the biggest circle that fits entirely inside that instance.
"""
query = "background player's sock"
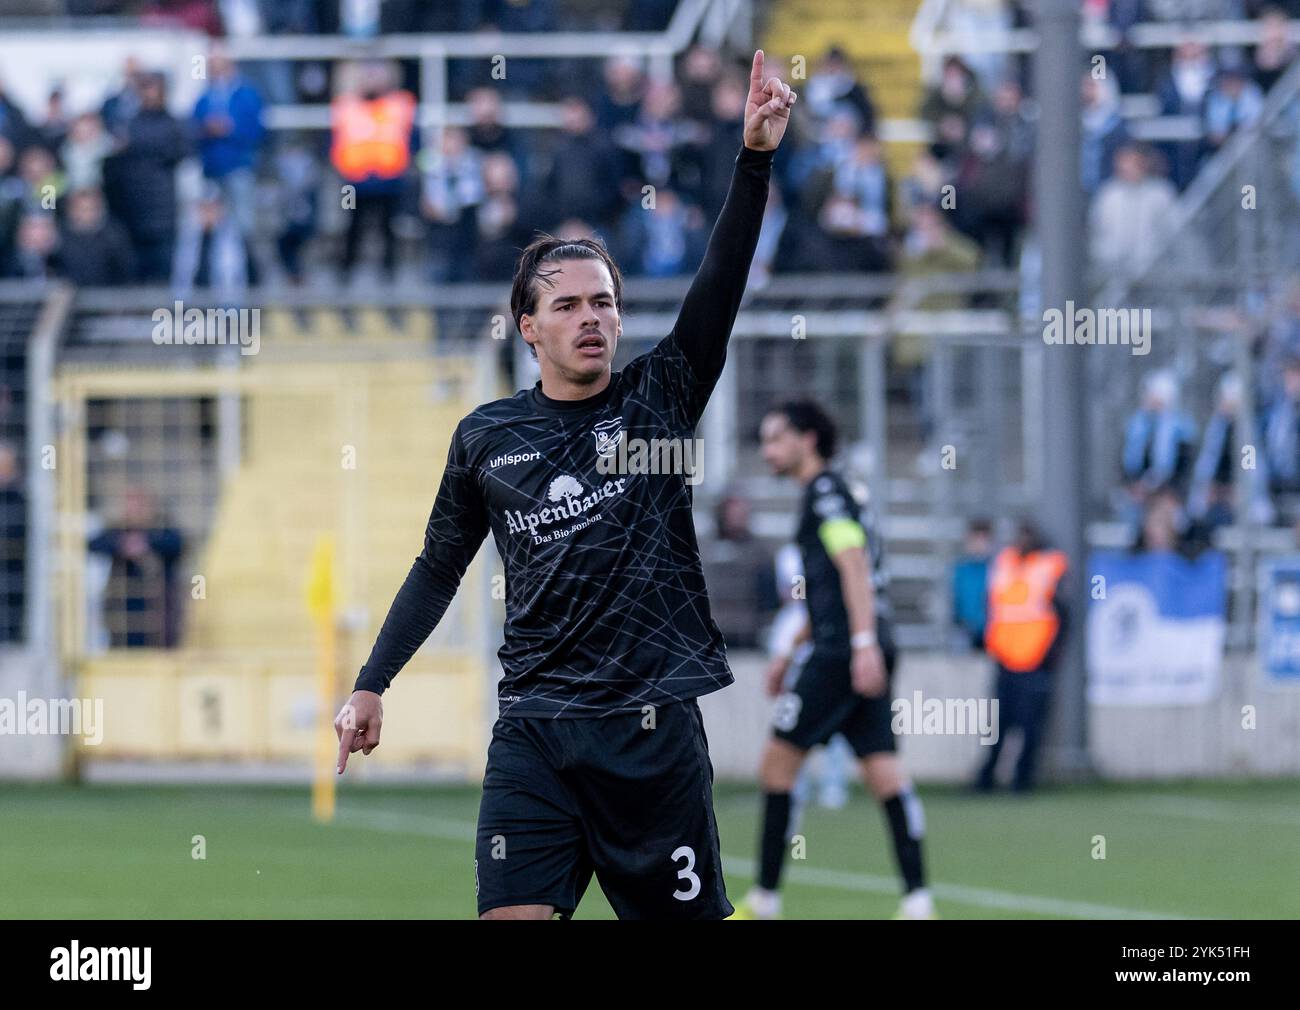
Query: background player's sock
(776, 823)
(907, 825)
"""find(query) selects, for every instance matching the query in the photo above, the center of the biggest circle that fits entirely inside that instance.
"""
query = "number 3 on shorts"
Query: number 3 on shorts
(692, 881)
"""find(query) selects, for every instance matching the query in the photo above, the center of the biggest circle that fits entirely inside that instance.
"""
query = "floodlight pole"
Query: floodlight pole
(1057, 69)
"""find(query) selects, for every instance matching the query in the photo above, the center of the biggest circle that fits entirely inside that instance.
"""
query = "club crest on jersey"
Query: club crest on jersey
(607, 434)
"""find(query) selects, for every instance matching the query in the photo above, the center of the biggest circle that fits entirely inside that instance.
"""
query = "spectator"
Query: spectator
(1008, 117)
(1131, 214)
(1275, 51)
(621, 98)
(228, 123)
(488, 133)
(992, 183)
(1103, 132)
(1282, 432)
(664, 240)
(145, 169)
(1129, 63)
(833, 88)
(734, 558)
(373, 139)
(54, 129)
(1182, 92)
(140, 608)
(36, 253)
(13, 124)
(1167, 529)
(212, 253)
(855, 218)
(297, 174)
(715, 154)
(659, 135)
(970, 579)
(951, 107)
(121, 107)
(95, 251)
(924, 183)
(1210, 499)
(1158, 441)
(502, 230)
(583, 177)
(13, 545)
(41, 177)
(1234, 102)
(84, 151)
(1027, 624)
(12, 201)
(451, 195)
(700, 72)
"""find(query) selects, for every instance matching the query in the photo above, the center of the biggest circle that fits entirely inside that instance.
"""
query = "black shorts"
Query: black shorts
(822, 702)
(625, 796)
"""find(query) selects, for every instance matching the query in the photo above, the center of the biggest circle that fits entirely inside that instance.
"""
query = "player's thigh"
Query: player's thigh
(646, 790)
(868, 727)
(817, 704)
(529, 848)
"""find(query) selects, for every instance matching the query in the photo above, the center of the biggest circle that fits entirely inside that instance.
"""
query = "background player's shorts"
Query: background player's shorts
(631, 802)
(822, 703)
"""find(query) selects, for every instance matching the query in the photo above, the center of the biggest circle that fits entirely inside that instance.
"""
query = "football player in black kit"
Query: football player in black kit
(844, 684)
(598, 761)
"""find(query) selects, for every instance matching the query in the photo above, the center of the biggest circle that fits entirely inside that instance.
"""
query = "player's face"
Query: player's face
(576, 327)
(780, 444)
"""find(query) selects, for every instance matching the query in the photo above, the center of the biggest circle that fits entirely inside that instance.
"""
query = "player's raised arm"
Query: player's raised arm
(457, 526)
(709, 310)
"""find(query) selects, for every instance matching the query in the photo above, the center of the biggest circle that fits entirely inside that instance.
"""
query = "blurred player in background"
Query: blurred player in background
(598, 761)
(844, 684)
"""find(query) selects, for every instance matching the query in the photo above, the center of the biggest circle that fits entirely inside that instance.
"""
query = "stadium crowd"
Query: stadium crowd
(459, 205)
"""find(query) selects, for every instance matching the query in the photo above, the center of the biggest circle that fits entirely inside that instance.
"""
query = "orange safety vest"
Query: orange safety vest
(372, 137)
(1022, 622)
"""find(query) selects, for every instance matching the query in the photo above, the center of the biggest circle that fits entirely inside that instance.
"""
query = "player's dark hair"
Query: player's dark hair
(537, 263)
(805, 416)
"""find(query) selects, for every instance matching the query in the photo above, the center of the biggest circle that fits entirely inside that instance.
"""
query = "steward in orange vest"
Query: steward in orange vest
(1024, 620)
(1025, 627)
(372, 136)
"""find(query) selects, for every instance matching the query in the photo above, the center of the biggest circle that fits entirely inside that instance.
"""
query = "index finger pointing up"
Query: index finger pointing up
(756, 72)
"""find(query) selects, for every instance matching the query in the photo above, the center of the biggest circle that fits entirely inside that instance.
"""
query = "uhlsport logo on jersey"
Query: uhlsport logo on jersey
(607, 435)
(572, 501)
(511, 458)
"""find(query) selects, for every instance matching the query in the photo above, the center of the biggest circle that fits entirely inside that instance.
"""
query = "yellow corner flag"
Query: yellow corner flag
(321, 597)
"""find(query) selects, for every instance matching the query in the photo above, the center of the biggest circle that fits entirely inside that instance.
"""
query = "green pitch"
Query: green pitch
(1220, 850)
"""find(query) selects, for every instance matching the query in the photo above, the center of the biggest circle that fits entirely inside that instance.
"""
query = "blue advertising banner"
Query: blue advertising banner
(1278, 645)
(1156, 626)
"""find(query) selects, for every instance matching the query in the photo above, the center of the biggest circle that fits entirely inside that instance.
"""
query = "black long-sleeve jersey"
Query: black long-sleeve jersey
(606, 608)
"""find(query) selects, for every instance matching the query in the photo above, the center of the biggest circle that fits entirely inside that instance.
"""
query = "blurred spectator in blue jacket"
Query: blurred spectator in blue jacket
(1182, 92)
(1103, 132)
(1234, 102)
(970, 581)
(228, 126)
(1158, 441)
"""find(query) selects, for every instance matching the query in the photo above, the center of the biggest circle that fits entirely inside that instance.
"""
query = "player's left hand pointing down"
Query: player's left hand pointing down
(767, 109)
(358, 724)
